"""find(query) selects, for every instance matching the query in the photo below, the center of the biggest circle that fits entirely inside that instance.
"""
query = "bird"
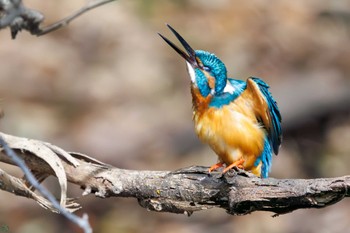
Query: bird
(239, 120)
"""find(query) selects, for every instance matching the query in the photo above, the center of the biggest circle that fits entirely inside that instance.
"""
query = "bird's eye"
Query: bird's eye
(206, 68)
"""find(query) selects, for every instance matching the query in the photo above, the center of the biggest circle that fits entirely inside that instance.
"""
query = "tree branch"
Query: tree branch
(193, 189)
(14, 14)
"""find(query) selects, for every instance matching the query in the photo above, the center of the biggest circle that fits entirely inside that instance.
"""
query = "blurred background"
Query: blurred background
(108, 86)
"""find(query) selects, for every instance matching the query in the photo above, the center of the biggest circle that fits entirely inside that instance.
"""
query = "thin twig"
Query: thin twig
(81, 222)
(67, 20)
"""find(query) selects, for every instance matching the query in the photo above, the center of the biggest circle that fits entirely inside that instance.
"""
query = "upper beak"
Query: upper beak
(190, 56)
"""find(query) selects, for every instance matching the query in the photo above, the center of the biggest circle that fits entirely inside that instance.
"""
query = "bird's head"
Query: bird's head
(208, 73)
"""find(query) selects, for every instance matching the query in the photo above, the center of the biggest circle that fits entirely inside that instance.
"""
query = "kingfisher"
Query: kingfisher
(239, 120)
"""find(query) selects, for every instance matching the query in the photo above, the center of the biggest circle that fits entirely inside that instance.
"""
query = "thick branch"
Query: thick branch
(193, 189)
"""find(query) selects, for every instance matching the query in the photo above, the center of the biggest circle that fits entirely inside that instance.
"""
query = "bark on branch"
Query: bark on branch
(193, 189)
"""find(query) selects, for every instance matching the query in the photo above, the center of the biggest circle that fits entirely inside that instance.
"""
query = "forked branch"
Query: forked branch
(15, 15)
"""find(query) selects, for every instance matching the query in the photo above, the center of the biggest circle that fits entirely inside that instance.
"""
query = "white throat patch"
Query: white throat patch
(191, 72)
(229, 88)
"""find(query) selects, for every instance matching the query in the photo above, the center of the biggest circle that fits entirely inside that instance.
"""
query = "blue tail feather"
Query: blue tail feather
(266, 159)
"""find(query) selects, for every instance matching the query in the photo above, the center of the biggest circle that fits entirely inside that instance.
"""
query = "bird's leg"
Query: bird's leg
(216, 166)
(238, 163)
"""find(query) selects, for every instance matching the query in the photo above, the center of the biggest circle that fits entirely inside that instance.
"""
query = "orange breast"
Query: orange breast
(232, 131)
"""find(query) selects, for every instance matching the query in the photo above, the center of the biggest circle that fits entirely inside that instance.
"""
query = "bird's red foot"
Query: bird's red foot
(238, 163)
(216, 166)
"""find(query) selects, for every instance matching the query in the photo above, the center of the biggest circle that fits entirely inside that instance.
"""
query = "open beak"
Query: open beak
(190, 56)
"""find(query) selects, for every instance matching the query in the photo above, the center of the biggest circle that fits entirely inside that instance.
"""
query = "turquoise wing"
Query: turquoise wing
(270, 117)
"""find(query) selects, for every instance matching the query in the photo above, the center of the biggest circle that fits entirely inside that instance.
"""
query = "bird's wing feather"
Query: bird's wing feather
(266, 110)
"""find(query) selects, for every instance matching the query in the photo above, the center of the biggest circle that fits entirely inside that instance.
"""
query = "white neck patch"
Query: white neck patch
(229, 88)
(191, 72)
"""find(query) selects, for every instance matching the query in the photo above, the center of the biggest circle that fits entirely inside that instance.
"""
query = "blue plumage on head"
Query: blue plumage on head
(215, 67)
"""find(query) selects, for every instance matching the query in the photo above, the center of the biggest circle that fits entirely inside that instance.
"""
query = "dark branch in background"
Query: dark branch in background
(15, 15)
(81, 222)
(193, 189)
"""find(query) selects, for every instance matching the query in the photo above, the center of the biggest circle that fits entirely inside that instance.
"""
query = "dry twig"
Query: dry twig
(17, 186)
